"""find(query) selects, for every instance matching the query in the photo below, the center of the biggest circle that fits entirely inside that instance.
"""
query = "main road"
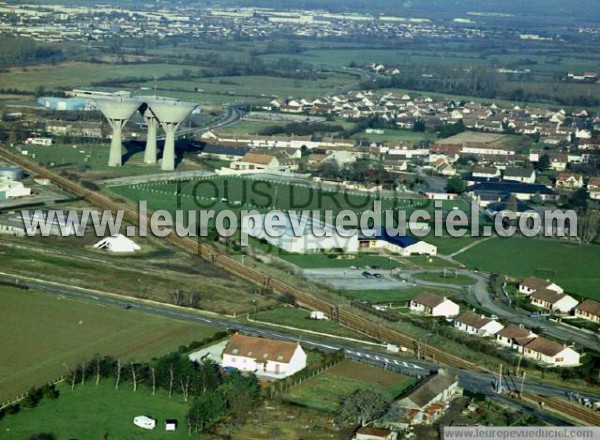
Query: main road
(470, 380)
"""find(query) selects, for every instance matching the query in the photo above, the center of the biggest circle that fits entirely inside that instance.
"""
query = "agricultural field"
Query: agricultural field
(60, 332)
(96, 412)
(569, 265)
(342, 379)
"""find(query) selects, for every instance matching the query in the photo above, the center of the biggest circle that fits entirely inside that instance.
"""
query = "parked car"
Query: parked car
(367, 274)
(378, 275)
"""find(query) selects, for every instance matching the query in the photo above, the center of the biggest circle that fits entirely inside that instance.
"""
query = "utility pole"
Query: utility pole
(499, 387)
(519, 364)
(523, 381)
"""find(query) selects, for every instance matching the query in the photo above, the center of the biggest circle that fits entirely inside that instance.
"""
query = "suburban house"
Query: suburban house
(369, 433)
(257, 161)
(569, 180)
(552, 301)
(550, 353)
(265, 357)
(593, 187)
(486, 172)
(520, 175)
(401, 245)
(532, 284)
(513, 336)
(476, 324)
(588, 309)
(433, 305)
(428, 401)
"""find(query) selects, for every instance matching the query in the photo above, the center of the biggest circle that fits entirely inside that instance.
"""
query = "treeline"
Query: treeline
(16, 51)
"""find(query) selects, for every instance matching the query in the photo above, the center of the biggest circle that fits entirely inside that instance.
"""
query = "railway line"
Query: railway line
(213, 255)
(577, 412)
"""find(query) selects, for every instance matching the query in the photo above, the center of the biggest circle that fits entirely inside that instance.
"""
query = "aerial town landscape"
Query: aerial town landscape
(299, 220)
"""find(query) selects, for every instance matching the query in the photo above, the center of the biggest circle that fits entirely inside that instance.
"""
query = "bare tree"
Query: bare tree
(73, 378)
(194, 300)
(153, 373)
(134, 377)
(118, 373)
(178, 297)
(83, 366)
(171, 378)
(185, 388)
(97, 370)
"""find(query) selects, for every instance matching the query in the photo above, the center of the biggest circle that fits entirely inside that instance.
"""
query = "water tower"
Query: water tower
(171, 114)
(152, 122)
(117, 111)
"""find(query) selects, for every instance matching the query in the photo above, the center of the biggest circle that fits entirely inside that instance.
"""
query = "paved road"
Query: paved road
(473, 381)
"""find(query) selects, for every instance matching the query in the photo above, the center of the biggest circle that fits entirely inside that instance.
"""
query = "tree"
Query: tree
(42, 436)
(543, 163)
(578, 199)
(419, 126)
(240, 394)
(455, 185)
(206, 410)
(363, 406)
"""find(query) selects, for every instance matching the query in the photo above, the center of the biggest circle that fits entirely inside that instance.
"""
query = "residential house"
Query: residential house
(265, 357)
(369, 433)
(433, 305)
(569, 180)
(593, 187)
(532, 284)
(521, 175)
(257, 161)
(553, 301)
(428, 401)
(486, 172)
(550, 353)
(476, 324)
(588, 309)
(513, 336)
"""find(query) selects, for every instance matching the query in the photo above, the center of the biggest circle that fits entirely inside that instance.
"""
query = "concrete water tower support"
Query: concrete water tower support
(117, 112)
(152, 123)
(170, 114)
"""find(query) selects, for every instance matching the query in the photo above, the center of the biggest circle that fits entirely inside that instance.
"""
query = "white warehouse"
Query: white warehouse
(302, 235)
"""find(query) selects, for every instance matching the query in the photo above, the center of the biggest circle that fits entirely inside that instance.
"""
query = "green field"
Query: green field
(317, 261)
(342, 379)
(299, 318)
(450, 278)
(91, 412)
(45, 335)
(396, 136)
(574, 267)
(395, 296)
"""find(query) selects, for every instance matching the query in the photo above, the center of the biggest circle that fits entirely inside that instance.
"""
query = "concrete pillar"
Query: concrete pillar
(168, 157)
(150, 152)
(115, 158)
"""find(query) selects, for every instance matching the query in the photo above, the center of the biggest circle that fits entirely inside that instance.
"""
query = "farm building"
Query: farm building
(588, 309)
(118, 244)
(475, 324)
(297, 236)
(552, 301)
(550, 353)
(532, 284)
(370, 433)
(401, 245)
(434, 305)
(264, 357)
(425, 404)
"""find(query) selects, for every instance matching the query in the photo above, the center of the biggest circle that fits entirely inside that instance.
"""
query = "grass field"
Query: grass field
(392, 137)
(450, 278)
(395, 296)
(43, 335)
(574, 267)
(342, 379)
(320, 261)
(299, 318)
(91, 412)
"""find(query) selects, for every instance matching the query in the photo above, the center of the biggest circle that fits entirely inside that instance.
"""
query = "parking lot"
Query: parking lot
(355, 279)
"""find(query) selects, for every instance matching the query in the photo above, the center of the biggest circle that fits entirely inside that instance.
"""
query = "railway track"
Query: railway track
(580, 413)
(213, 255)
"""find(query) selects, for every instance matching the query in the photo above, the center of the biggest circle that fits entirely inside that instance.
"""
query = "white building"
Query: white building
(370, 433)
(532, 284)
(519, 175)
(550, 353)
(401, 245)
(433, 305)
(297, 234)
(118, 244)
(514, 336)
(9, 189)
(552, 301)
(257, 162)
(144, 422)
(264, 357)
(45, 141)
(588, 309)
(475, 324)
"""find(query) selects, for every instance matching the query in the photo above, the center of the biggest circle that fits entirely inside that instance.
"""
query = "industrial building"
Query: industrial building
(9, 189)
(401, 245)
(308, 240)
(66, 104)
